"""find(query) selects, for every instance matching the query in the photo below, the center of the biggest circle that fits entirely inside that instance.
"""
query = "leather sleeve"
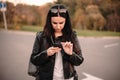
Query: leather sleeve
(38, 56)
(76, 58)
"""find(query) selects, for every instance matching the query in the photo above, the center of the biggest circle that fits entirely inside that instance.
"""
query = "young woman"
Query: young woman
(56, 49)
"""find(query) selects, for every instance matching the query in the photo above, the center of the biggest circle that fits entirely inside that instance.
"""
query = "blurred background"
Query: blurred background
(97, 23)
(93, 15)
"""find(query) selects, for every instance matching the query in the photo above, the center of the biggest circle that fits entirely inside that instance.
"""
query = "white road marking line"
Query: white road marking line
(90, 77)
(111, 45)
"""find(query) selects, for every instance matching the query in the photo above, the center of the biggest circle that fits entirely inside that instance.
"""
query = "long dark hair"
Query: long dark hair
(67, 31)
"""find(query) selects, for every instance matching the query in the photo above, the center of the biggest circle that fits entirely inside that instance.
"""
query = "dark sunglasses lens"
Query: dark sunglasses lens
(54, 10)
(60, 11)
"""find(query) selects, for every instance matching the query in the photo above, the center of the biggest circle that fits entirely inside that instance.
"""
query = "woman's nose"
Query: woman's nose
(58, 26)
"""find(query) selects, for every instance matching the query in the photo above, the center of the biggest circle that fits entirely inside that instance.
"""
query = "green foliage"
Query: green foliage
(31, 28)
(94, 14)
(95, 18)
(79, 32)
(96, 33)
(85, 14)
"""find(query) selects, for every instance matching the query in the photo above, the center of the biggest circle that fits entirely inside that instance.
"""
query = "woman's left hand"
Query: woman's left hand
(68, 47)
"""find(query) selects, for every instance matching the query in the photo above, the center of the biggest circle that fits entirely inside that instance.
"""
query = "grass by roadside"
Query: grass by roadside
(86, 33)
(32, 28)
(96, 33)
(79, 32)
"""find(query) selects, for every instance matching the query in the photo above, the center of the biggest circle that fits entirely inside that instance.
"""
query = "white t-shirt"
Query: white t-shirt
(58, 68)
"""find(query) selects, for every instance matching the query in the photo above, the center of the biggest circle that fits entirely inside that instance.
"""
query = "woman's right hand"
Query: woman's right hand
(52, 50)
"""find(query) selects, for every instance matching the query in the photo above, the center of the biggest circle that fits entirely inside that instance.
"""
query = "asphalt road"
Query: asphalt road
(101, 56)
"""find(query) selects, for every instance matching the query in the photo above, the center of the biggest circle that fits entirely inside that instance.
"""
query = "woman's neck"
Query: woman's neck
(57, 34)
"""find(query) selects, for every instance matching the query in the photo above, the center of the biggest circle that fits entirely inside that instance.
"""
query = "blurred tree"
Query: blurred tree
(113, 23)
(9, 15)
(42, 11)
(83, 3)
(95, 18)
(59, 1)
(80, 19)
(111, 11)
(10, 12)
(85, 14)
(1, 20)
(70, 4)
(27, 14)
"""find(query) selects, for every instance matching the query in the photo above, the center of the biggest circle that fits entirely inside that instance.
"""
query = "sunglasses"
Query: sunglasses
(58, 10)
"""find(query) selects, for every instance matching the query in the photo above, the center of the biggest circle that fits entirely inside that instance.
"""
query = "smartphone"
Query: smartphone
(57, 45)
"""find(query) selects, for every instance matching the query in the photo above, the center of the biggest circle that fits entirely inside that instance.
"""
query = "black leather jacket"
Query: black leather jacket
(46, 63)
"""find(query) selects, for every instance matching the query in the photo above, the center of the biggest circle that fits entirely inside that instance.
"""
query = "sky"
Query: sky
(30, 2)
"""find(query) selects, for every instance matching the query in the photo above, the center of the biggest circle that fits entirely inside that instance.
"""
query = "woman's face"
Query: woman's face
(58, 23)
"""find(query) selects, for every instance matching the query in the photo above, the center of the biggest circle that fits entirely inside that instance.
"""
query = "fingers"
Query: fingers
(68, 47)
(52, 50)
(67, 44)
